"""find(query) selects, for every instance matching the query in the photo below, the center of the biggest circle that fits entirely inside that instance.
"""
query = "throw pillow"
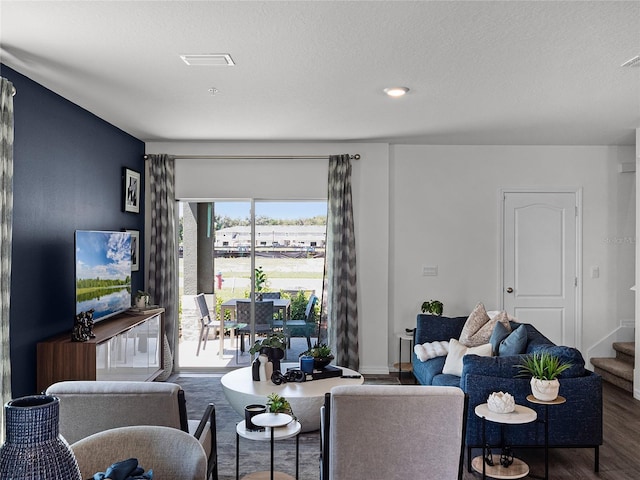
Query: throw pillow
(515, 343)
(499, 333)
(479, 326)
(453, 362)
(430, 350)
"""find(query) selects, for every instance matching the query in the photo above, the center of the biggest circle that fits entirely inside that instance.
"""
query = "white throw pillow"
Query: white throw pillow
(430, 350)
(453, 363)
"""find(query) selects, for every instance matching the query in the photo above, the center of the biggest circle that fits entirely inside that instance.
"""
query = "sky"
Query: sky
(288, 210)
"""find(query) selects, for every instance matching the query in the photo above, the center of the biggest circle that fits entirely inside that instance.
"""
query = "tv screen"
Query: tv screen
(103, 272)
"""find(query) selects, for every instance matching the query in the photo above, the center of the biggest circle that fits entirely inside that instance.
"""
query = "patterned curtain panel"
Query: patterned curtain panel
(339, 296)
(6, 223)
(163, 270)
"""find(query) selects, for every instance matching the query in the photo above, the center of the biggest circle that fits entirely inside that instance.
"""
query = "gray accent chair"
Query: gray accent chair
(169, 452)
(89, 407)
(393, 431)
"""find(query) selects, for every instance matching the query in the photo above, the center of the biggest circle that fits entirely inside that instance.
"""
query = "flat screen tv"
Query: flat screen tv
(103, 272)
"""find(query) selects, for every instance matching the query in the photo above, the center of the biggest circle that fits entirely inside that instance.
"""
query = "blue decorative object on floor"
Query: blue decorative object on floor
(34, 449)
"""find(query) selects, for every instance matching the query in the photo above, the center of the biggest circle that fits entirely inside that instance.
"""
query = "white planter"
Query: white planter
(545, 390)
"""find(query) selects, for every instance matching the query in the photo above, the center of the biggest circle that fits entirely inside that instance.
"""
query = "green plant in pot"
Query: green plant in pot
(278, 404)
(273, 345)
(544, 369)
(321, 354)
(433, 307)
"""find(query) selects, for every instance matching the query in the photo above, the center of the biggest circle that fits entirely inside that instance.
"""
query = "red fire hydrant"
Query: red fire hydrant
(219, 280)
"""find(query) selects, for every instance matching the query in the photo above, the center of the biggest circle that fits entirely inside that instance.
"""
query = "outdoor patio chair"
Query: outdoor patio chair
(263, 321)
(206, 322)
(301, 327)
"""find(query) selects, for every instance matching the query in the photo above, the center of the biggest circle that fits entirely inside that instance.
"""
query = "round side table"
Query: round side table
(558, 401)
(278, 426)
(519, 416)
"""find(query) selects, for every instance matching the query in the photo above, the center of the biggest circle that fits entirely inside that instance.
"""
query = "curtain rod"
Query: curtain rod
(259, 157)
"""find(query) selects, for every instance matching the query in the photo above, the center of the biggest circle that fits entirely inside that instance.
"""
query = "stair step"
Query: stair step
(625, 351)
(616, 367)
(615, 380)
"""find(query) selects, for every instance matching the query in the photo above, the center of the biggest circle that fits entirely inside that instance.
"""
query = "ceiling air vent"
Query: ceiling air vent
(208, 60)
(632, 62)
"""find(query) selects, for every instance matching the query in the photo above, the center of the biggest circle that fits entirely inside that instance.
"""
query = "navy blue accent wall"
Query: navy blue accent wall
(67, 176)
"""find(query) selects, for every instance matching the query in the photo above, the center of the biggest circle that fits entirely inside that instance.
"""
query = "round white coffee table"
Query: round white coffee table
(305, 398)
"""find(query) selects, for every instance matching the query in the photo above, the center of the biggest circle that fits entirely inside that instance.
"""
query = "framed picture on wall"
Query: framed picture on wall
(135, 250)
(131, 191)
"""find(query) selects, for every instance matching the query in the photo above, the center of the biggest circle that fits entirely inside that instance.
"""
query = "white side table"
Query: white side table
(277, 427)
(518, 468)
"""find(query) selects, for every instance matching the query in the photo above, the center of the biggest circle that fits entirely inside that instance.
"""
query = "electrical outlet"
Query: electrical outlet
(429, 270)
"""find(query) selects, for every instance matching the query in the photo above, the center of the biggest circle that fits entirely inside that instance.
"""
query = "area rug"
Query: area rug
(200, 390)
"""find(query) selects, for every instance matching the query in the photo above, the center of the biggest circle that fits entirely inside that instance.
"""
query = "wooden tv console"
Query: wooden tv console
(128, 346)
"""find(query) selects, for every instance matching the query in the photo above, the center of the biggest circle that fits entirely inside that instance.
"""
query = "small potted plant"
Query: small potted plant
(544, 369)
(273, 346)
(432, 307)
(142, 299)
(321, 354)
(278, 404)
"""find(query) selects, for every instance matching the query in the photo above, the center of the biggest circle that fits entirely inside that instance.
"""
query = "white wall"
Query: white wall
(438, 205)
(444, 212)
(371, 214)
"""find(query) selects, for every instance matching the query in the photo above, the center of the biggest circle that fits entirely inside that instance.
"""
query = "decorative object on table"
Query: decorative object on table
(142, 299)
(273, 346)
(306, 363)
(432, 307)
(261, 369)
(292, 375)
(544, 369)
(251, 411)
(34, 449)
(501, 402)
(278, 404)
(321, 354)
(131, 191)
(409, 331)
(126, 470)
(83, 327)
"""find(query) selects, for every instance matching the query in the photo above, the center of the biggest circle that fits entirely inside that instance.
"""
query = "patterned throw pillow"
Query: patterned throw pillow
(479, 326)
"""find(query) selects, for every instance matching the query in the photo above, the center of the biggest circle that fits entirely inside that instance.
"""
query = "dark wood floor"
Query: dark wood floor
(619, 455)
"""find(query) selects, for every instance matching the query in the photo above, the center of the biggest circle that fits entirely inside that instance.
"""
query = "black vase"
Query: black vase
(274, 355)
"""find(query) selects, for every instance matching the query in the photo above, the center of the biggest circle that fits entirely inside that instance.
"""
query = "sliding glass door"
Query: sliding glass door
(231, 256)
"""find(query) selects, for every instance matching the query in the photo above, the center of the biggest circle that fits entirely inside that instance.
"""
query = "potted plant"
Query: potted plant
(278, 404)
(142, 299)
(433, 307)
(544, 369)
(321, 354)
(260, 282)
(273, 346)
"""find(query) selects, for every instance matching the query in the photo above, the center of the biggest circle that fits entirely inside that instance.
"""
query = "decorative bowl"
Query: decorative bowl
(320, 362)
(499, 402)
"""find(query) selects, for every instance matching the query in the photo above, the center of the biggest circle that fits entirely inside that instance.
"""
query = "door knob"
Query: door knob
(509, 290)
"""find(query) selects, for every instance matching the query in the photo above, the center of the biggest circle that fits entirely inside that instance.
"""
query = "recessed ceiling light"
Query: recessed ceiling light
(208, 60)
(396, 91)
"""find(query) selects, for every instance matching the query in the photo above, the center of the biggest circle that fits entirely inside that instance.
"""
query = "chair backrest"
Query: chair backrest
(88, 407)
(169, 452)
(264, 312)
(270, 295)
(425, 423)
(202, 308)
(308, 312)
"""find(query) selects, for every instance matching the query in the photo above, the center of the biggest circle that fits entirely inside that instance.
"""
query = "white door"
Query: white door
(540, 262)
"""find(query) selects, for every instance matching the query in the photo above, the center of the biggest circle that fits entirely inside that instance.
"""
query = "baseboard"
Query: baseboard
(373, 370)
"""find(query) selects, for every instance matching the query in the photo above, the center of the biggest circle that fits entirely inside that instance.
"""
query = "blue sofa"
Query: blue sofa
(576, 423)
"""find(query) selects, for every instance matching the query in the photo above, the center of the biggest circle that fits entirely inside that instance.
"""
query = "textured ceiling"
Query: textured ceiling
(480, 72)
